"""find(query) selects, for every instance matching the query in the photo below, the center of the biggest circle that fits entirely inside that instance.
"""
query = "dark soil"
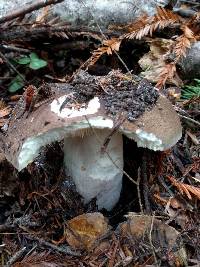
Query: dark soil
(121, 94)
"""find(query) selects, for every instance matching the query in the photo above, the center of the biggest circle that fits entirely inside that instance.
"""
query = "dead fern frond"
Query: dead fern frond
(109, 46)
(147, 25)
(169, 71)
(185, 188)
(183, 42)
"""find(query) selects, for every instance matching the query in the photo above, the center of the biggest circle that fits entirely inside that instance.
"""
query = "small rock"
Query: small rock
(190, 64)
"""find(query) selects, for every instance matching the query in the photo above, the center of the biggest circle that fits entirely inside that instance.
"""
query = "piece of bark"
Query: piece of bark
(94, 14)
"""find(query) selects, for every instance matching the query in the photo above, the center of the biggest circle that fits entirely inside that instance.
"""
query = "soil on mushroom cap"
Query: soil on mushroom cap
(121, 94)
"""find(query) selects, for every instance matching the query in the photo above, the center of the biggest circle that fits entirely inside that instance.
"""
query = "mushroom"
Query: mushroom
(96, 173)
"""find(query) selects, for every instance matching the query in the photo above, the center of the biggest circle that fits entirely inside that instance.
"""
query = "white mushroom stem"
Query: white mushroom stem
(92, 170)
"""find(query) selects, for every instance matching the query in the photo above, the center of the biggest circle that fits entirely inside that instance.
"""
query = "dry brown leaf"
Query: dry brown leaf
(15, 97)
(84, 230)
(153, 62)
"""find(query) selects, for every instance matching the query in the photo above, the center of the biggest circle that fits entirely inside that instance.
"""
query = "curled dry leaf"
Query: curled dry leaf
(154, 67)
(83, 231)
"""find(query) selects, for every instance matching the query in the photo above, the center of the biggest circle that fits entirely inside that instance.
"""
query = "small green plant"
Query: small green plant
(16, 84)
(33, 61)
(190, 91)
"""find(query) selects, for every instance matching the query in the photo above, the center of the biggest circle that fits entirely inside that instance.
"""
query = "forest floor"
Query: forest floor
(43, 221)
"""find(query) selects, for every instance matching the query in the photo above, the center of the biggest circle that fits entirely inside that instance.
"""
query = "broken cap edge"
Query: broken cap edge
(157, 129)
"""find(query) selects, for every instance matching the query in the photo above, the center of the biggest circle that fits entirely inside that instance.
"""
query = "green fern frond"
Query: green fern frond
(191, 91)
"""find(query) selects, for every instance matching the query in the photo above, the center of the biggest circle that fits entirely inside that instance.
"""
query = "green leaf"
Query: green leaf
(37, 63)
(16, 84)
(24, 60)
(33, 56)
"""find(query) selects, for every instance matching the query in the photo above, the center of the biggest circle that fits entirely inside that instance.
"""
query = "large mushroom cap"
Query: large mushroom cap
(98, 103)
(157, 129)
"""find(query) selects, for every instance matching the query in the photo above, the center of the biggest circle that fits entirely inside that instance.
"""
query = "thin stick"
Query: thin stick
(14, 48)
(113, 131)
(15, 257)
(138, 190)
(64, 250)
(145, 183)
(150, 241)
(189, 119)
(12, 67)
(28, 8)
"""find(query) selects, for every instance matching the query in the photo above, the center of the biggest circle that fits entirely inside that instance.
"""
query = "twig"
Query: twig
(26, 34)
(151, 243)
(64, 250)
(14, 48)
(12, 67)
(161, 180)
(111, 262)
(113, 131)
(21, 32)
(138, 190)
(15, 257)
(28, 8)
(145, 182)
(189, 119)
